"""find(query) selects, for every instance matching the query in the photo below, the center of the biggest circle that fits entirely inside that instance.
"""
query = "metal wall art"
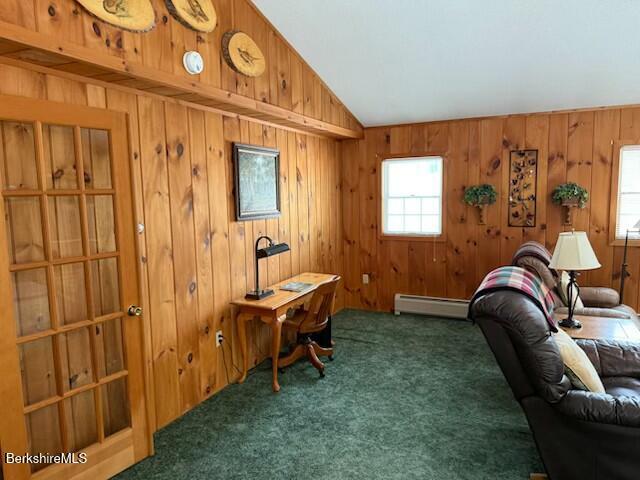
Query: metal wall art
(523, 173)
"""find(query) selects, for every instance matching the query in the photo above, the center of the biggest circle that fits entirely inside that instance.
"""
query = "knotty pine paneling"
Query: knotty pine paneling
(194, 257)
(572, 146)
(288, 81)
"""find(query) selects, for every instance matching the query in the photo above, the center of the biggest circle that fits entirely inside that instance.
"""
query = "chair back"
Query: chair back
(320, 307)
(520, 338)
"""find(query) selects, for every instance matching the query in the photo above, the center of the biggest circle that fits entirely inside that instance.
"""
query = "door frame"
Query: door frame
(134, 443)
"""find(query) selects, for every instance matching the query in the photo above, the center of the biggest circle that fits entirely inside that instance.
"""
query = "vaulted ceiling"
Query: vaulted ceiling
(402, 61)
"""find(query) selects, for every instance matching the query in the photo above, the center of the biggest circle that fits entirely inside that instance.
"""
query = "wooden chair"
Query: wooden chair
(307, 322)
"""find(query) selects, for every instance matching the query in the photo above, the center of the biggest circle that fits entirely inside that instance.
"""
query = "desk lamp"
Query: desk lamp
(270, 250)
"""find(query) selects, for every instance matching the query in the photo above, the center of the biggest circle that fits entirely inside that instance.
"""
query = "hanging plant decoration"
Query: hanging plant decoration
(243, 54)
(198, 15)
(480, 196)
(523, 178)
(132, 15)
(570, 195)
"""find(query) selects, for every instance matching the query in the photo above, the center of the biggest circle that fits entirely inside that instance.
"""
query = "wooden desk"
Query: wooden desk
(602, 328)
(273, 310)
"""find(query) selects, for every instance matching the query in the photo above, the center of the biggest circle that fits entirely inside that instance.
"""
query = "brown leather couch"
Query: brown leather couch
(598, 301)
(579, 435)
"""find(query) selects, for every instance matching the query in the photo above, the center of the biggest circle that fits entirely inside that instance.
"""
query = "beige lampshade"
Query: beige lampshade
(574, 252)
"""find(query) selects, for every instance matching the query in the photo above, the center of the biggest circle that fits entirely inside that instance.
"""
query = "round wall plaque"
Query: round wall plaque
(198, 15)
(132, 15)
(243, 54)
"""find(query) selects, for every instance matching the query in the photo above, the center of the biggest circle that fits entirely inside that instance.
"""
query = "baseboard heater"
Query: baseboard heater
(432, 306)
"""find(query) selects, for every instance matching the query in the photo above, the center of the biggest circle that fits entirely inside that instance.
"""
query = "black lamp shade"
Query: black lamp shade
(272, 250)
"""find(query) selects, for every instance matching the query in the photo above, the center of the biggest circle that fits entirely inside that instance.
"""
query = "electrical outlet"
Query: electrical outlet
(219, 338)
(365, 279)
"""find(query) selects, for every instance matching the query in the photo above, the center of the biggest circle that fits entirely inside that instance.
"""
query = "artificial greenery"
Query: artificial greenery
(477, 195)
(570, 191)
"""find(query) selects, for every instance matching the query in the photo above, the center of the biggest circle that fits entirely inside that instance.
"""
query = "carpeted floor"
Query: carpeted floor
(406, 397)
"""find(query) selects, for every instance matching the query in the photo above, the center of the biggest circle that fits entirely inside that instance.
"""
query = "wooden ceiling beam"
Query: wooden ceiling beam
(36, 48)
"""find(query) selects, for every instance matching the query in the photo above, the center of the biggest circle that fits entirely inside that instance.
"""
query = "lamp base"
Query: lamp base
(570, 323)
(258, 295)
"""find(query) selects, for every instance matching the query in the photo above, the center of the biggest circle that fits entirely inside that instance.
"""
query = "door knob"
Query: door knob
(135, 311)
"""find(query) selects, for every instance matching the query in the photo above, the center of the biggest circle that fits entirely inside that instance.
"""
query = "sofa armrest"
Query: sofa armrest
(601, 408)
(613, 358)
(601, 297)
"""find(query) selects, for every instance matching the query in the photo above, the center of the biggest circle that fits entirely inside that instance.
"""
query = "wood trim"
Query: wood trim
(613, 210)
(442, 238)
(97, 64)
(183, 100)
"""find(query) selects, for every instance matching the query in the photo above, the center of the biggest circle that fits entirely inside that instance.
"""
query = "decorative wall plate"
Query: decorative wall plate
(243, 54)
(132, 15)
(198, 15)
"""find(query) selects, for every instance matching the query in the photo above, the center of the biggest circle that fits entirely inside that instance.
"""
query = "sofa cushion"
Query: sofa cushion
(622, 386)
(578, 367)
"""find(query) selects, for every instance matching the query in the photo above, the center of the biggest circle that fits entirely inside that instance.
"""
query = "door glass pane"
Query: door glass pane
(65, 228)
(102, 230)
(59, 157)
(75, 359)
(24, 229)
(31, 301)
(18, 156)
(106, 288)
(115, 406)
(37, 369)
(43, 433)
(97, 159)
(81, 420)
(70, 290)
(109, 348)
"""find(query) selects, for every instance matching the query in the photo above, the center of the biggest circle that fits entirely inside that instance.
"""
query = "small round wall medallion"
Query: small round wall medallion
(193, 62)
(243, 54)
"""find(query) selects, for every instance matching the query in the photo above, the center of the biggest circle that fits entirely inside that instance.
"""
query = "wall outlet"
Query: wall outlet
(219, 338)
(365, 279)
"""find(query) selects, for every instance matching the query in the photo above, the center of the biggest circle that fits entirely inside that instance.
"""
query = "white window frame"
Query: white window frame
(385, 198)
(617, 195)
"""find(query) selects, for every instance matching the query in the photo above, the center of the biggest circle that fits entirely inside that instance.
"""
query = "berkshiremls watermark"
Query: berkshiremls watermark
(46, 458)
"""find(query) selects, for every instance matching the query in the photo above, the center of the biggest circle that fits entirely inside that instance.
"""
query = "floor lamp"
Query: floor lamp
(573, 253)
(624, 273)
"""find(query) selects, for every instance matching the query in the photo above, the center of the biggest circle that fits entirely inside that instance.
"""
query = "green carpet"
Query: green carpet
(406, 397)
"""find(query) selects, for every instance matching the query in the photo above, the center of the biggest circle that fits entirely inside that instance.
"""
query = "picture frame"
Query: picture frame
(256, 181)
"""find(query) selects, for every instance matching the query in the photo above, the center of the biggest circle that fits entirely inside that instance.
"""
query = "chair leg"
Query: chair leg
(313, 358)
(294, 356)
(321, 351)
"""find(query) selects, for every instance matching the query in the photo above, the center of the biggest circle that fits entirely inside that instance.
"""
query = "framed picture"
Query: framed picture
(523, 179)
(257, 174)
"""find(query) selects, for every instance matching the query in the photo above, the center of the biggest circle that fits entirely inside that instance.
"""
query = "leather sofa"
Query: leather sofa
(580, 435)
(598, 301)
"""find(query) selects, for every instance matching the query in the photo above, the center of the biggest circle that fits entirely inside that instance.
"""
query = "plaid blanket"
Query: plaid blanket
(519, 280)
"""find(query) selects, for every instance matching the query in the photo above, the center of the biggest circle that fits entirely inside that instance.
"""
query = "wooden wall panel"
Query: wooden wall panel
(288, 81)
(194, 257)
(572, 146)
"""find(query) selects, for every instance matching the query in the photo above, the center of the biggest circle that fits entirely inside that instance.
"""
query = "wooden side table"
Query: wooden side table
(604, 328)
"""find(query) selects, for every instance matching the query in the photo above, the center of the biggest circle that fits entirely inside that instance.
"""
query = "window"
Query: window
(412, 196)
(628, 204)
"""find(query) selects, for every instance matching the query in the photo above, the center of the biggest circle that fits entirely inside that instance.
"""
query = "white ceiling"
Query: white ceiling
(400, 61)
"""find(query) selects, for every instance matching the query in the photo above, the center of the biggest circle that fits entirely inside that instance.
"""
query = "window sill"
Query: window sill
(412, 238)
(619, 242)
